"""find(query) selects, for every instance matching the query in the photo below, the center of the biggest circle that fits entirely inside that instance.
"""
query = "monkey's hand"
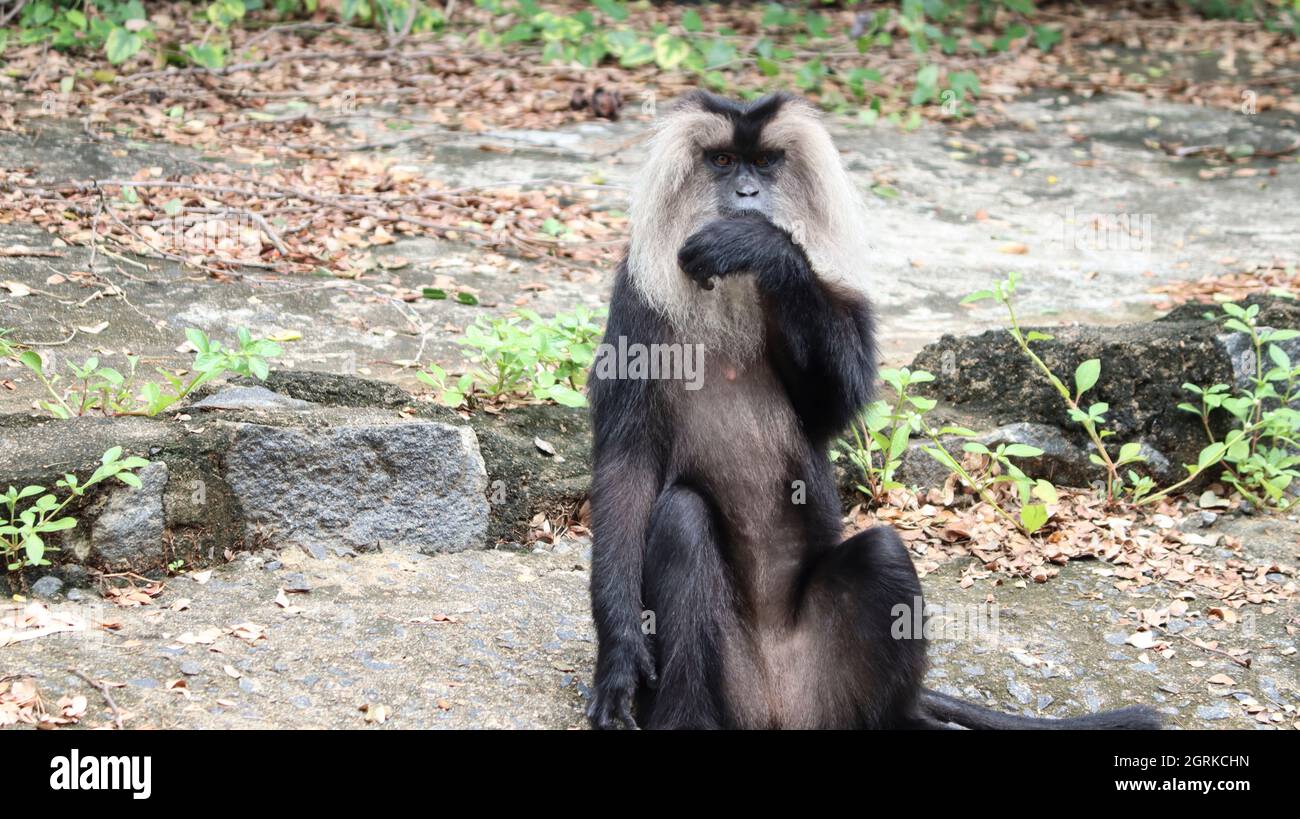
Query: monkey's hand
(724, 247)
(620, 669)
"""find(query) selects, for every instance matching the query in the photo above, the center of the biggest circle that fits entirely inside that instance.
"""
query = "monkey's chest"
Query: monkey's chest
(739, 435)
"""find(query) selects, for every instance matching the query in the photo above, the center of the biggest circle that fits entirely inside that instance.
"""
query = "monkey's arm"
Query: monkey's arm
(821, 341)
(628, 455)
(622, 495)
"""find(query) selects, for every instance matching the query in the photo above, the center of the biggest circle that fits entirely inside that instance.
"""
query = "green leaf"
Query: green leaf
(612, 8)
(259, 368)
(1210, 455)
(1086, 375)
(198, 339)
(1033, 516)
(1130, 452)
(567, 396)
(670, 51)
(32, 360)
(1044, 491)
(1022, 451)
(122, 45)
(35, 548)
(1045, 38)
(435, 293)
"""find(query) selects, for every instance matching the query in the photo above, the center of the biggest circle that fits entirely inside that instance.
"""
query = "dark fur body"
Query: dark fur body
(764, 617)
(716, 509)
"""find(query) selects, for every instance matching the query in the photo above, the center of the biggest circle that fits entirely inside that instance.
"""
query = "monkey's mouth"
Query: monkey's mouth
(731, 212)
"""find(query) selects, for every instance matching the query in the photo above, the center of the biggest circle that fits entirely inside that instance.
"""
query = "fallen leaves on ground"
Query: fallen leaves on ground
(1138, 548)
(1211, 289)
(295, 91)
(132, 595)
(21, 702)
(32, 620)
(316, 216)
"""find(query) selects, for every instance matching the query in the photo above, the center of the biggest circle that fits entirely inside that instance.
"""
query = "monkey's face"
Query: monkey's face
(743, 180)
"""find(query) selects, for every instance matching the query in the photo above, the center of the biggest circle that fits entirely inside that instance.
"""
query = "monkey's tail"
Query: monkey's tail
(968, 715)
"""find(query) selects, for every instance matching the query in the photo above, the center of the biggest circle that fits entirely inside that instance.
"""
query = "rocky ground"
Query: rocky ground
(503, 638)
(281, 637)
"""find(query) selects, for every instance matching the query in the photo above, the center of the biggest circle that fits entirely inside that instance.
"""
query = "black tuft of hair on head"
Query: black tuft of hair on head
(747, 118)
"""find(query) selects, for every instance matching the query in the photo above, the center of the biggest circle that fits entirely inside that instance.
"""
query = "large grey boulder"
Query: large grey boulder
(414, 485)
(315, 466)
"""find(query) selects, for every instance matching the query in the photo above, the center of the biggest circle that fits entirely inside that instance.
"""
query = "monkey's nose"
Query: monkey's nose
(747, 190)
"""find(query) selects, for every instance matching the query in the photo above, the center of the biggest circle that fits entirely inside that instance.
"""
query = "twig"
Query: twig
(13, 12)
(29, 251)
(268, 230)
(108, 698)
(52, 343)
(1243, 663)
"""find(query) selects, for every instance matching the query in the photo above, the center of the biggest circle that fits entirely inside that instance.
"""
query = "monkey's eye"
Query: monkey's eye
(766, 160)
(723, 160)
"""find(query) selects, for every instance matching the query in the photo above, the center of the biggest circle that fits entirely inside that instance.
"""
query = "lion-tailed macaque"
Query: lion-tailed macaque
(714, 507)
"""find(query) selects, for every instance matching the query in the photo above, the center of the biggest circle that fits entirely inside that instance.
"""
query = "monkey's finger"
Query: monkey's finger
(625, 713)
(648, 671)
(600, 715)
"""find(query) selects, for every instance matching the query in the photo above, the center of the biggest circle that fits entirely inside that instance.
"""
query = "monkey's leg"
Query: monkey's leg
(687, 589)
(856, 594)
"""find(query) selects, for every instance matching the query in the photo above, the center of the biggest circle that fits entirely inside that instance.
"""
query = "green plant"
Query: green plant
(523, 354)
(881, 434)
(882, 431)
(94, 388)
(1261, 453)
(23, 526)
(119, 27)
(1093, 417)
(1139, 488)
(796, 47)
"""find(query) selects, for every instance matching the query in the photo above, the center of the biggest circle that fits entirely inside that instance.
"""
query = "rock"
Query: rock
(1061, 462)
(189, 668)
(523, 481)
(295, 582)
(187, 502)
(915, 469)
(1020, 691)
(129, 530)
(1217, 711)
(47, 587)
(334, 390)
(415, 485)
(251, 398)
